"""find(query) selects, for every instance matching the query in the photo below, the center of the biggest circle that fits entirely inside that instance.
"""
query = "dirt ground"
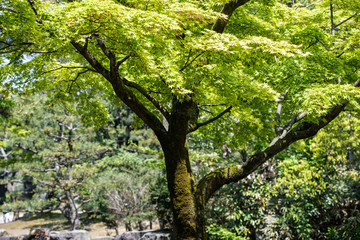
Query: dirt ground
(55, 222)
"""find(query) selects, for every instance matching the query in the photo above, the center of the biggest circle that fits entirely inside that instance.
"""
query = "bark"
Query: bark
(188, 221)
(227, 10)
(74, 213)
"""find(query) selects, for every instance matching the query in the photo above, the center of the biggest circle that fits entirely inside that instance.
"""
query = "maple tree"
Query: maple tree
(234, 70)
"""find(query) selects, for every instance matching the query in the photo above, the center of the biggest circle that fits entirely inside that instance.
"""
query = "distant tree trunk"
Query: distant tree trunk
(74, 213)
(128, 226)
(141, 227)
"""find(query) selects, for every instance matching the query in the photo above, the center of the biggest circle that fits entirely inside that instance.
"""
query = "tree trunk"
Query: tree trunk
(187, 209)
(74, 214)
(188, 213)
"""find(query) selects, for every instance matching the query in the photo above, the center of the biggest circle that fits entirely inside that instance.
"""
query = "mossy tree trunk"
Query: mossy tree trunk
(186, 221)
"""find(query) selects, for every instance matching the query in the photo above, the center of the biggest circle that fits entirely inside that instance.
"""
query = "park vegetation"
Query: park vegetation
(232, 91)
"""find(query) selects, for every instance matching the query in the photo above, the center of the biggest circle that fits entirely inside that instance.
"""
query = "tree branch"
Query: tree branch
(189, 63)
(74, 80)
(122, 61)
(278, 111)
(227, 10)
(127, 96)
(104, 49)
(26, 148)
(35, 12)
(66, 67)
(215, 180)
(153, 100)
(91, 59)
(8, 8)
(346, 20)
(198, 125)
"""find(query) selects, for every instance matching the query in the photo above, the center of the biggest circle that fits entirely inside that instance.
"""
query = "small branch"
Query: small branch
(34, 10)
(188, 58)
(26, 51)
(57, 137)
(155, 102)
(74, 80)
(312, 44)
(65, 67)
(4, 155)
(332, 19)
(186, 65)
(301, 116)
(26, 148)
(340, 54)
(211, 105)
(309, 4)
(122, 61)
(198, 125)
(8, 8)
(346, 20)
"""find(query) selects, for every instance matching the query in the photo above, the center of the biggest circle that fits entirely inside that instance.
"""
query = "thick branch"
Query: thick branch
(91, 59)
(198, 125)
(127, 96)
(215, 180)
(227, 10)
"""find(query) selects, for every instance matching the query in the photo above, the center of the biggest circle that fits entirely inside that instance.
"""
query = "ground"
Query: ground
(55, 222)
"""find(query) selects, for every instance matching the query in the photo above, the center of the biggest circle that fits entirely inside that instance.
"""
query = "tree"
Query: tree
(56, 151)
(121, 189)
(184, 66)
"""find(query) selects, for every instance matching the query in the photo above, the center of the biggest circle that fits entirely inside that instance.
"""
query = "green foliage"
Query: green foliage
(222, 233)
(310, 192)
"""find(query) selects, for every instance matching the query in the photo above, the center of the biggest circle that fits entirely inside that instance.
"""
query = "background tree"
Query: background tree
(121, 190)
(183, 65)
